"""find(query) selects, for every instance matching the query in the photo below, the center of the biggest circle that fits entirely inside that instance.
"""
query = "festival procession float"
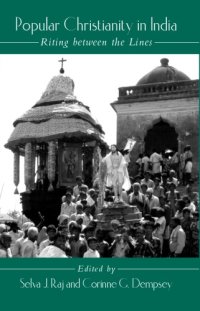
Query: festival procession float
(59, 140)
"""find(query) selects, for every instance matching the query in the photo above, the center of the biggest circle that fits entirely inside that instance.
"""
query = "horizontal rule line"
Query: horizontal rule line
(158, 269)
(179, 42)
(37, 269)
(6, 42)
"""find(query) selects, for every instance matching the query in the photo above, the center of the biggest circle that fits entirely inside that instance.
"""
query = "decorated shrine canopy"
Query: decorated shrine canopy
(57, 115)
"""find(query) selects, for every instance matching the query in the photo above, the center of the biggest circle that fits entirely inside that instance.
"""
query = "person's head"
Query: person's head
(137, 179)
(113, 148)
(149, 228)
(87, 210)
(83, 188)
(149, 193)
(51, 232)
(160, 212)
(92, 243)
(136, 188)
(92, 193)
(5, 240)
(195, 216)
(79, 208)
(180, 205)
(63, 229)
(162, 200)
(186, 199)
(69, 189)
(144, 188)
(14, 227)
(140, 233)
(188, 148)
(63, 219)
(68, 197)
(172, 173)
(71, 225)
(60, 240)
(79, 180)
(3, 228)
(190, 183)
(147, 175)
(186, 213)
(82, 195)
(164, 177)
(88, 232)
(32, 234)
(156, 181)
(26, 226)
(63, 199)
(93, 223)
(172, 187)
(79, 220)
(99, 234)
(75, 231)
(175, 221)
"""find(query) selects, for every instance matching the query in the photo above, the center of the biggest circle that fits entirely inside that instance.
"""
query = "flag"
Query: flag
(130, 144)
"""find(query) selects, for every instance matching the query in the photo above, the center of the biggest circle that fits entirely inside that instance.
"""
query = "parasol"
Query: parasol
(6, 218)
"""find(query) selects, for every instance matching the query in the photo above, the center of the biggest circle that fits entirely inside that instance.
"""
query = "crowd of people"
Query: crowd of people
(168, 226)
(168, 160)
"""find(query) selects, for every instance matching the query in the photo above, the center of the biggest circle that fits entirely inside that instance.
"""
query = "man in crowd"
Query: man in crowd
(177, 238)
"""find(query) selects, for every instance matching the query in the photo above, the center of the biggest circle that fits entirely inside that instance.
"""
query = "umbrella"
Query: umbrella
(6, 218)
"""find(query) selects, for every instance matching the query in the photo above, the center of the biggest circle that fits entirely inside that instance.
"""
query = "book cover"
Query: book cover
(136, 66)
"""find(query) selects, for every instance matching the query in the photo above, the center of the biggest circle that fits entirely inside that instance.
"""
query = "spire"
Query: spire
(62, 61)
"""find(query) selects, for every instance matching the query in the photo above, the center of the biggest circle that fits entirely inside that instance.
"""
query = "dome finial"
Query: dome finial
(62, 61)
(164, 62)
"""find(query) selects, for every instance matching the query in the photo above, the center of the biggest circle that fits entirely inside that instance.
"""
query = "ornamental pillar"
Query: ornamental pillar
(51, 163)
(29, 166)
(16, 173)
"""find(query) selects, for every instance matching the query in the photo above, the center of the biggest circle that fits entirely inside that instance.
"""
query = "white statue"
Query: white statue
(116, 173)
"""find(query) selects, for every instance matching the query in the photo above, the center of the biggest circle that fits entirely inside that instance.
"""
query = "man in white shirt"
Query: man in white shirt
(151, 200)
(147, 181)
(77, 188)
(160, 225)
(92, 249)
(51, 232)
(56, 250)
(155, 160)
(177, 238)
(145, 163)
(188, 170)
(68, 207)
(29, 246)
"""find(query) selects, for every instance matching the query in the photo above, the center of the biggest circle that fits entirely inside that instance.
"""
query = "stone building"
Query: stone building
(161, 112)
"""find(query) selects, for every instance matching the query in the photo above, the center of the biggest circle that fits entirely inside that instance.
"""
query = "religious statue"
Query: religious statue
(115, 173)
(69, 160)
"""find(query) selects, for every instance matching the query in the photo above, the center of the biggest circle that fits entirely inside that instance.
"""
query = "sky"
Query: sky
(23, 79)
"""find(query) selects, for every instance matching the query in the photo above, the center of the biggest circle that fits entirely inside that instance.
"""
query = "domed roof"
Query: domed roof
(163, 73)
(59, 88)
(58, 114)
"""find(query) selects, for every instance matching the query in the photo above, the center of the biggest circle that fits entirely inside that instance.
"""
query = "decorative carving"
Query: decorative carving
(16, 170)
(51, 164)
(28, 166)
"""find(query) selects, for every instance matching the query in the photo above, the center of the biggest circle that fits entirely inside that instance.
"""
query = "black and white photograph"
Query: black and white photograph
(99, 156)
